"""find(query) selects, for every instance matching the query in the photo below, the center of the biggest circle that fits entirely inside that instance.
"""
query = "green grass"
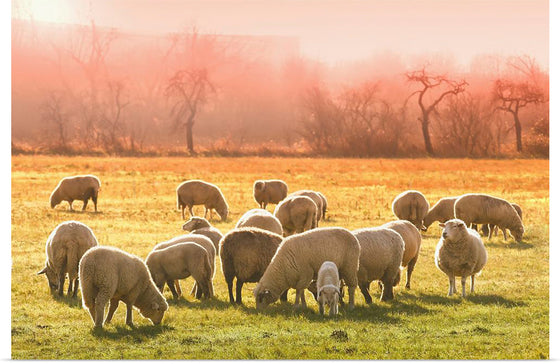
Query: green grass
(506, 318)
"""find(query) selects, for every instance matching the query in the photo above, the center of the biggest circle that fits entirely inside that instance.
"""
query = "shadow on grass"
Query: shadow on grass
(74, 302)
(509, 245)
(137, 333)
(194, 303)
(456, 299)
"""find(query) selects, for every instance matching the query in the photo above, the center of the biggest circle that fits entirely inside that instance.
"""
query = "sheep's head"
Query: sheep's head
(258, 186)
(517, 233)
(155, 310)
(222, 210)
(452, 229)
(263, 297)
(196, 223)
(328, 295)
(52, 276)
(55, 198)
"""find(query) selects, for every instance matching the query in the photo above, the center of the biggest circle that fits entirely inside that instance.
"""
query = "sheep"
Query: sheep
(412, 241)
(201, 226)
(196, 192)
(199, 239)
(65, 246)
(488, 230)
(245, 254)
(109, 274)
(328, 288)
(180, 261)
(459, 252)
(485, 209)
(315, 197)
(76, 188)
(261, 219)
(412, 206)
(324, 205)
(441, 211)
(381, 255)
(299, 258)
(269, 191)
(296, 214)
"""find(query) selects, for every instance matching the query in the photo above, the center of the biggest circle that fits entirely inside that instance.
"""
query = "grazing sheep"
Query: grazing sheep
(381, 255)
(180, 261)
(201, 226)
(245, 254)
(262, 219)
(108, 274)
(412, 206)
(196, 192)
(65, 246)
(488, 230)
(485, 209)
(441, 211)
(299, 258)
(269, 191)
(328, 288)
(459, 253)
(325, 206)
(76, 188)
(315, 197)
(412, 240)
(296, 214)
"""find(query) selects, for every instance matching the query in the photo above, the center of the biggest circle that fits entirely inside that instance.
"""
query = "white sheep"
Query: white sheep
(485, 209)
(269, 191)
(296, 214)
(412, 241)
(76, 188)
(262, 219)
(460, 253)
(65, 246)
(201, 226)
(299, 258)
(109, 274)
(441, 211)
(196, 192)
(488, 230)
(411, 205)
(181, 261)
(381, 253)
(245, 254)
(328, 288)
(316, 197)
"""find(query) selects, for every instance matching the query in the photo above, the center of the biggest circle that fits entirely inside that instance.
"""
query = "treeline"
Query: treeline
(85, 90)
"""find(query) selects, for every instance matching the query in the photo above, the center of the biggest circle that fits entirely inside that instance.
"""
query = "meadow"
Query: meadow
(506, 318)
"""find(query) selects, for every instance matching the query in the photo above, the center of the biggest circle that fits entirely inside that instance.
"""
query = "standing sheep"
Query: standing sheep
(488, 230)
(325, 206)
(441, 211)
(196, 192)
(459, 253)
(485, 209)
(412, 206)
(262, 219)
(381, 255)
(201, 226)
(296, 214)
(299, 258)
(110, 275)
(269, 191)
(65, 246)
(76, 188)
(412, 240)
(180, 261)
(245, 255)
(315, 197)
(328, 288)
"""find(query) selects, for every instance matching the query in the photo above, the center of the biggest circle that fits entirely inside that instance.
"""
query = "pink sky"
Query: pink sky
(333, 30)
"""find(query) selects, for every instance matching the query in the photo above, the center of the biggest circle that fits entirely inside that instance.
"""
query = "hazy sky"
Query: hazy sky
(332, 30)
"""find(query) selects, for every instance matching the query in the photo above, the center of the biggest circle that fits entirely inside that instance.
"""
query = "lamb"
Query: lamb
(201, 226)
(180, 261)
(324, 205)
(109, 274)
(485, 209)
(269, 191)
(328, 288)
(261, 219)
(245, 254)
(488, 230)
(412, 240)
(76, 188)
(412, 206)
(380, 259)
(196, 192)
(296, 214)
(299, 258)
(315, 197)
(460, 252)
(441, 211)
(65, 246)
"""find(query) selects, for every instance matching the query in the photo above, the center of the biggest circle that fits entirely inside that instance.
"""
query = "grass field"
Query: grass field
(506, 318)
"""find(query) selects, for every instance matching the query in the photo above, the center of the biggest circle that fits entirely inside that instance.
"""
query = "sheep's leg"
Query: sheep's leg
(85, 204)
(409, 270)
(505, 235)
(190, 211)
(94, 199)
(194, 290)
(129, 315)
(296, 303)
(61, 279)
(364, 287)
(303, 303)
(451, 285)
(351, 296)
(72, 262)
(491, 231)
(183, 211)
(463, 283)
(92, 312)
(100, 302)
(70, 203)
(321, 308)
(238, 286)
(334, 308)
(171, 285)
(229, 282)
(205, 211)
(76, 284)
(472, 283)
(284, 296)
(113, 304)
(178, 287)
(387, 293)
(70, 286)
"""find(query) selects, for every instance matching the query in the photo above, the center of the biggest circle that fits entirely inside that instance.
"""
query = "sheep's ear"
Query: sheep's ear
(441, 224)
(155, 306)
(43, 271)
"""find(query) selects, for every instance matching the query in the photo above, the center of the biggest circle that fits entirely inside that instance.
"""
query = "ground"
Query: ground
(506, 318)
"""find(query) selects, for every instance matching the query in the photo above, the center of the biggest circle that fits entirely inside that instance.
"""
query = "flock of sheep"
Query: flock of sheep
(278, 251)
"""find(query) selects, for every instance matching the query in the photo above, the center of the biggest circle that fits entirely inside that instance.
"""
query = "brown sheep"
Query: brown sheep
(196, 192)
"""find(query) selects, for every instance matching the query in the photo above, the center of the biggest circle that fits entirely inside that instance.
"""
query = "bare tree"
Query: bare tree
(112, 119)
(56, 118)
(429, 84)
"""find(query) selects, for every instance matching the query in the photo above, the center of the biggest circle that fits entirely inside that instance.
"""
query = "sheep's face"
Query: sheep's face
(222, 210)
(452, 229)
(518, 233)
(328, 295)
(196, 223)
(258, 187)
(264, 298)
(52, 277)
(54, 200)
(155, 311)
